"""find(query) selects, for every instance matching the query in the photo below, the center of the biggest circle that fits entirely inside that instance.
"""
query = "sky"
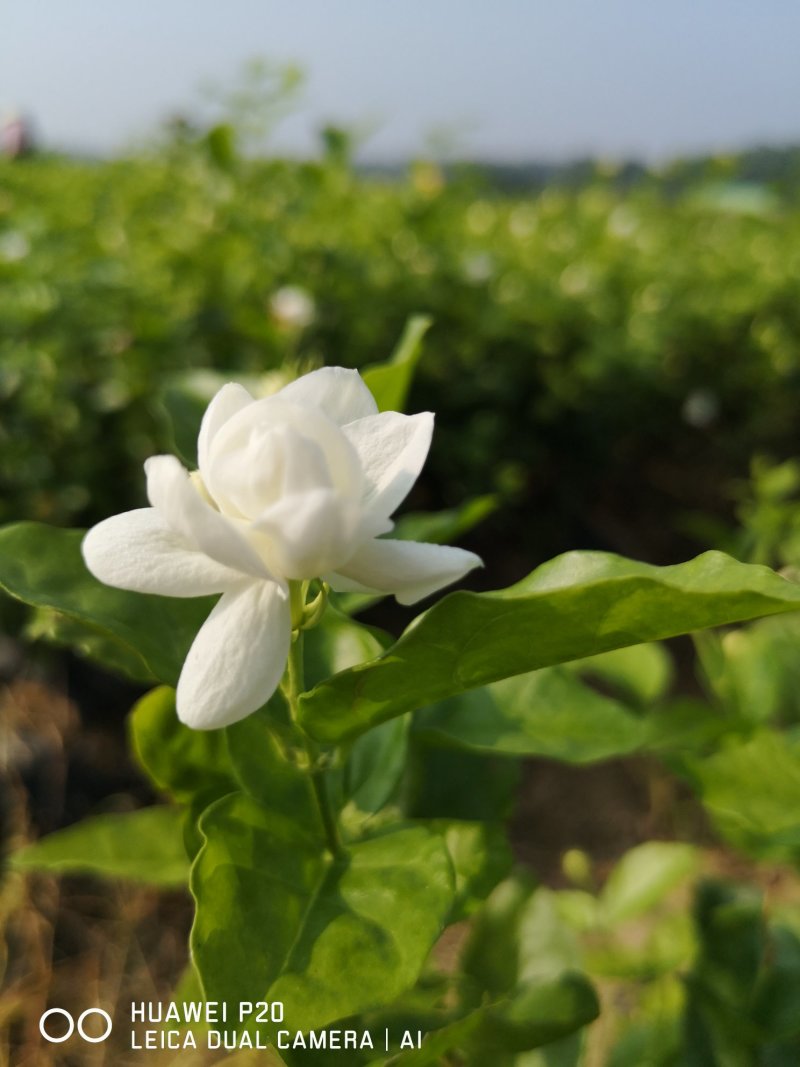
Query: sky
(505, 80)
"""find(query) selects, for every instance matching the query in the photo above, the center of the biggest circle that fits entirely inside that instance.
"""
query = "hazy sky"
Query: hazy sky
(513, 79)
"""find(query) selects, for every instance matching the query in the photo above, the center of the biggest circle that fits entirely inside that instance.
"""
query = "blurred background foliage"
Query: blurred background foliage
(607, 352)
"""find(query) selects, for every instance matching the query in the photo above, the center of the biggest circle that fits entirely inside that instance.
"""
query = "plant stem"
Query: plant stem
(318, 780)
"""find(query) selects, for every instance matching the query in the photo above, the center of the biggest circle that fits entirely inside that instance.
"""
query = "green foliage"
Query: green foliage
(270, 763)
(390, 382)
(520, 964)
(42, 566)
(754, 672)
(481, 857)
(643, 876)
(143, 846)
(458, 784)
(588, 329)
(375, 765)
(445, 527)
(534, 1015)
(262, 878)
(575, 606)
(547, 713)
(179, 761)
(67, 631)
(640, 673)
(752, 790)
(769, 514)
(744, 989)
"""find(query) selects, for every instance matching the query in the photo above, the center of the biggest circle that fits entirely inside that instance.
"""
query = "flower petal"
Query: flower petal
(170, 491)
(246, 442)
(138, 551)
(339, 392)
(392, 449)
(230, 399)
(238, 657)
(409, 569)
(310, 533)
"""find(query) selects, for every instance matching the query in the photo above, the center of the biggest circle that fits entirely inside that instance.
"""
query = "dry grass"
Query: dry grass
(72, 942)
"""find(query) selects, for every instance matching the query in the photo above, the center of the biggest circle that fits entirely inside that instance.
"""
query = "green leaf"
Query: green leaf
(143, 846)
(376, 760)
(645, 952)
(547, 713)
(445, 527)
(375, 765)
(566, 1052)
(538, 1013)
(58, 629)
(518, 936)
(535, 1014)
(648, 1044)
(642, 673)
(481, 857)
(685, 726)
(719, 1024)
(754, 671)
(452, 783)
(339, 643)
(491, 955)
(436, 1045)
(265, 759)
(644, 876)
(182, 762)
(390, 382)
(42, 566)
(524, 992)
(577, 605)
(276, 916)
(191, 766)
(731, 926)
(776, 1006)
(547, 947)
(752, 790)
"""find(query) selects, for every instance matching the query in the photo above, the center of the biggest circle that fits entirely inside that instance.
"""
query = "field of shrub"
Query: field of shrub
(609, 361)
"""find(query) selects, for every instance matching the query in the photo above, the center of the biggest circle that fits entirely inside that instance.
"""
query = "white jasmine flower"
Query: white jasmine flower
(294, 486)
(14, 246)
(292, 307)
(700, 408)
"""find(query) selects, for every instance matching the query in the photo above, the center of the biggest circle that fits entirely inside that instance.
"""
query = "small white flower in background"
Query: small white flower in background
(14, 246)
(700, 408)
(295, 486)
(478, 267)
(292, 307)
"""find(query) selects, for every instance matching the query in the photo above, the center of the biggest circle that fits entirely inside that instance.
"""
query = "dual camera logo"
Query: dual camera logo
(56, 1039)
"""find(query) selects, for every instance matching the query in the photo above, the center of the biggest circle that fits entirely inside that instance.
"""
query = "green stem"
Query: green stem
(318, 780)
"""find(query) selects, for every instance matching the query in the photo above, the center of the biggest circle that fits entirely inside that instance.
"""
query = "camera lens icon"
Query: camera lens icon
(71, 1025)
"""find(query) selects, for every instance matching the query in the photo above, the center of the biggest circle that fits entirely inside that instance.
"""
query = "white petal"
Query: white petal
(339, 392)
(230, 399)
(170, 491)
(392, 449)
(238, 657)
(138, 551)
(229, 478)
(409, 569)
(310, 533)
